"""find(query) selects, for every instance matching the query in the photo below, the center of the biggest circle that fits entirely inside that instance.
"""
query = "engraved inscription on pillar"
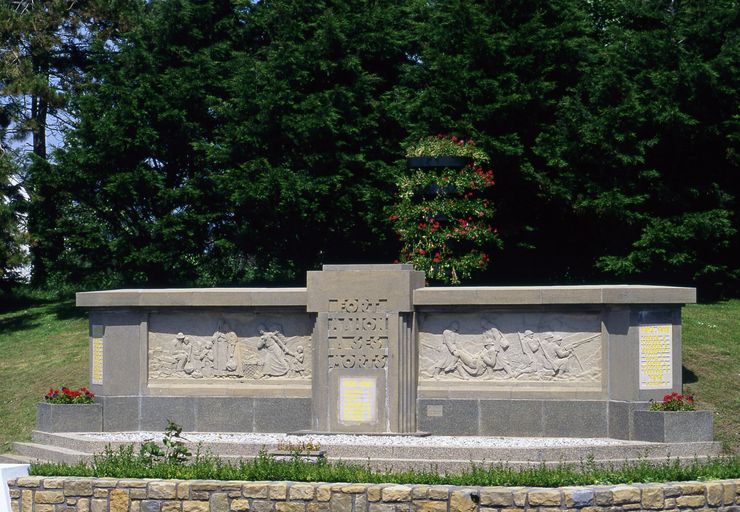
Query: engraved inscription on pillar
(358, 333)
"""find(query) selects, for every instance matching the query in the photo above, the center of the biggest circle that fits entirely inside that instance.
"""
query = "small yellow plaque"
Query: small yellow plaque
(656, 357)
(357, 400)
(96, 368)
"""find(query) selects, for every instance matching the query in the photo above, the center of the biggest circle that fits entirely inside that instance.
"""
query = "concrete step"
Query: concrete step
(622, 450)
(49, 453)
(12, 458)
(74, 441)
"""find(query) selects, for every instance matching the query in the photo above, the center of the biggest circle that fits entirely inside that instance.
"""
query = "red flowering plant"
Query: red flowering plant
(674, 402)
(444, 214)
(70, 396)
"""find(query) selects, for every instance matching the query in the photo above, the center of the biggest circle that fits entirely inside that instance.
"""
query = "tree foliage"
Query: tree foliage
(12, 254)
(225, 142)
(43, 53)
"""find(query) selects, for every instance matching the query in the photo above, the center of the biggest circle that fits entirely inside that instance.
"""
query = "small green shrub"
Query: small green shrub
(174, 451)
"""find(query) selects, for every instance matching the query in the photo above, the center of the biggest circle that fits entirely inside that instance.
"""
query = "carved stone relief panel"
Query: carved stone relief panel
(229, 346)
(510, 347)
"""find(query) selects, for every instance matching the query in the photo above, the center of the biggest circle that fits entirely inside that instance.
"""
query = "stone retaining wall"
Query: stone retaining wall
(57, 494)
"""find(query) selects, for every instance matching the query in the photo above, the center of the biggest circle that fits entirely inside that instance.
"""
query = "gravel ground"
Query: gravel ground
(341, 439)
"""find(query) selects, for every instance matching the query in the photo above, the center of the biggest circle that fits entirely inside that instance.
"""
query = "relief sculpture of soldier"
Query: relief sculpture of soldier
(539, 360)
(204, 360)
(278, 359)
(496, 350)
(449, 354)
(178, 361)
(224, 342)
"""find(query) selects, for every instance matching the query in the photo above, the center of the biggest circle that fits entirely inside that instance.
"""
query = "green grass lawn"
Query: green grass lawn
(711, 360)
(45, 344)
(42, 344)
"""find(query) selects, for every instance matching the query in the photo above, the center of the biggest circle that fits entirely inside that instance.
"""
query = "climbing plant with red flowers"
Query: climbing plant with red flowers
(444, 212)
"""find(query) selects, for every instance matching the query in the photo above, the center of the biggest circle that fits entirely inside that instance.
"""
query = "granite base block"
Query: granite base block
(120, 413)
(282, 414)
(157, 411)
(574, 418)
(673, 426)
(69, 417)
(449, 417)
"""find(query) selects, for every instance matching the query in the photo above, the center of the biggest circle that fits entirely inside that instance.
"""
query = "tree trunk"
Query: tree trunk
(43, 213)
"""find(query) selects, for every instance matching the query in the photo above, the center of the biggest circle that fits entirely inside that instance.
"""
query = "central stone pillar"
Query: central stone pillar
(365, 357)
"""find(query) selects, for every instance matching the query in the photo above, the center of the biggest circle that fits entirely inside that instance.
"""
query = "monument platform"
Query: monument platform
(446, 454)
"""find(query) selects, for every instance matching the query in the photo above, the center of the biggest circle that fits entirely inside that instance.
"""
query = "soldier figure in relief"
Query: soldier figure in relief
(182, 354)
(496, 343)
(276, 362)
(560, 356)
(224, 343)
(206, 360)
(450, 353)
(538, 359)
(297, 364)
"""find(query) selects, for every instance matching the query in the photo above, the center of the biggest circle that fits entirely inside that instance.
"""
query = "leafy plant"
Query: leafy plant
(174, 451)
(444, 215)
(674, 402)
(70, 396)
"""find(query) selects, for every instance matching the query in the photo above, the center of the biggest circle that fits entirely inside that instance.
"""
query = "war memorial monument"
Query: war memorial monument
(369, 349)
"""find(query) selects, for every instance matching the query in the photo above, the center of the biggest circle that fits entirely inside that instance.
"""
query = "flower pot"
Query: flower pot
(673, 426)
(422, 162)
(69, 417)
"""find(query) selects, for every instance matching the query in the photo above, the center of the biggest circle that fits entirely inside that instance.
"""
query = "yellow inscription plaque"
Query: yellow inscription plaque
(656, 357)
(357, 400)
(96, 369)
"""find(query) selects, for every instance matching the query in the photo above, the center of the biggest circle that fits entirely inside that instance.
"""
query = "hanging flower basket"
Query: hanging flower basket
(426, 162)
(444, 211)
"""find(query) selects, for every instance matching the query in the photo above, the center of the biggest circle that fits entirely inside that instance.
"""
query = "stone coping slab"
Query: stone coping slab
(194, 297)
(109, 494)
(432, 296)
(525, 295)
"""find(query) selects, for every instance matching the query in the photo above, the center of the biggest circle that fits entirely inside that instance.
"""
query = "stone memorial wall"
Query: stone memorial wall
(371, 349)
